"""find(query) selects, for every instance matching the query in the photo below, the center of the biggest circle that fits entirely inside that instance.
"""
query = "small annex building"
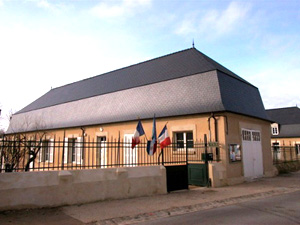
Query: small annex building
(286, 128)
(193, 93)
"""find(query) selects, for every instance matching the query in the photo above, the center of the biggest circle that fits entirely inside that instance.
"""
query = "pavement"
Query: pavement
(139, 210)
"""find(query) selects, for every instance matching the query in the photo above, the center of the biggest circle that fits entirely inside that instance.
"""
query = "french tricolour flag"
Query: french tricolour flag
(136, 136)
(164, 139)
(151, 145)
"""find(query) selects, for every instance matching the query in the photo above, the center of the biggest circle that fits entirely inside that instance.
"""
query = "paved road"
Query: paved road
(283, 209)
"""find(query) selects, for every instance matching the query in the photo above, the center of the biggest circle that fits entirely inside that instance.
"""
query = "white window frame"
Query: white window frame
(48, 156)
(101, 151)
(78, 159)
(130, 155)
(274, 129)
(278, 152)
(184, 141)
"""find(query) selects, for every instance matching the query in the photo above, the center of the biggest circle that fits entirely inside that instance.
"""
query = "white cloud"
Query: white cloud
(215, 22)
(1, 3)
(111, 9)
(44, 4)
(34, 60)
(50, 6)
(278, 85)
(187, 26)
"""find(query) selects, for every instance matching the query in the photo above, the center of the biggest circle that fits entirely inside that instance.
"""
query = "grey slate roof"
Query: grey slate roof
(283, 116)
(182, 83)
(176, 65)
(288, 120)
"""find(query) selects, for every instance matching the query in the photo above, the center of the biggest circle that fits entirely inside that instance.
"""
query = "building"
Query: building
(193, 93)
(285, 132)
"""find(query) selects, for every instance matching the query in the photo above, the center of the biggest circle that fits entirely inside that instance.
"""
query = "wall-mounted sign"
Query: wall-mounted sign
(234, 153)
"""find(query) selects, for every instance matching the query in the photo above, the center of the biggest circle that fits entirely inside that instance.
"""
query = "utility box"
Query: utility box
(207, 156)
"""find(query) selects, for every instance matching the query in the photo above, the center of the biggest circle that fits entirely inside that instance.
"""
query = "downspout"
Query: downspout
(216, 133)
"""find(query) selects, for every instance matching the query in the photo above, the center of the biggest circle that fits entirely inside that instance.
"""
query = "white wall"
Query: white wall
(56, 188)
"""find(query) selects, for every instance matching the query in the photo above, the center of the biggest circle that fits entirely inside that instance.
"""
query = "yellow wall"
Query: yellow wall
(235, 124)
(229, 132)
(286, 141)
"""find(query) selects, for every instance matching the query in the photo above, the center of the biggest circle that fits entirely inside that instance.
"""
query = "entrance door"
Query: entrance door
(252, 153)
(130, 155)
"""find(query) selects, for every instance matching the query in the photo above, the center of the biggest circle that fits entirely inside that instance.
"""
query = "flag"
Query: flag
(136, 136)
(164, 139)
(151, 145)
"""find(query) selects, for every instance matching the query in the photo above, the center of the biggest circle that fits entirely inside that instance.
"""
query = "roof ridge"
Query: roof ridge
(222, 68)
(289, 107)
(126, 67)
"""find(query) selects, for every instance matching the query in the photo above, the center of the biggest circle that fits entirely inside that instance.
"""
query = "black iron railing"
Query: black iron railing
(86, 153)
(283, 154)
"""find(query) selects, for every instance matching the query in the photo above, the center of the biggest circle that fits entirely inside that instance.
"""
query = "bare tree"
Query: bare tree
(22, 147)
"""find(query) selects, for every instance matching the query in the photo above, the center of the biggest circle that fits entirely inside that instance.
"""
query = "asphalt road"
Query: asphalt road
(282, 209)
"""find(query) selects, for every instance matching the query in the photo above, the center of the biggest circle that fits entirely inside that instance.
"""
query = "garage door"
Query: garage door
(252, 153)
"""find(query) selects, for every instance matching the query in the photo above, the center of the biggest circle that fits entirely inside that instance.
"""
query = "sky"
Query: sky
(46, 44)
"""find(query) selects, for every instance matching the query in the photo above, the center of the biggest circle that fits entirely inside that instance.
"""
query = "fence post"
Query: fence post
(291, 153)
(63, 152)
(1, 154)
(186, 154)
(162, 157)
(206, 159)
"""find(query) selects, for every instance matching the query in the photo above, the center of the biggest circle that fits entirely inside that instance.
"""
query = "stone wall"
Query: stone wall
(57, 188)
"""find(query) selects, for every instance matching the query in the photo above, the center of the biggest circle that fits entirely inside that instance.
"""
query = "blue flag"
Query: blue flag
(151, 145)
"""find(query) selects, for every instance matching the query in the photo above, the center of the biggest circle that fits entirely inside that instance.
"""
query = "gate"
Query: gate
(189, 165)
(177, 178)
(197, 174)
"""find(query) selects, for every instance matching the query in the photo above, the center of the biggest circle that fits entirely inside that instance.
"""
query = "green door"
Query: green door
(197, 174)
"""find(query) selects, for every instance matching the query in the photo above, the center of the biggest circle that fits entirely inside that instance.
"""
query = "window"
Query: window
(100, 153)
(246, 135)
(255, 136)
(297, 148)
(71, 150)
(274, 129)
(276, 151)
(184, 140)
(45, 154)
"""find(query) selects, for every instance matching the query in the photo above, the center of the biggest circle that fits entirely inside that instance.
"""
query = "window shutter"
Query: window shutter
(66, 151)
(78, 150)
(51, 148)
(40, 153)
(103, 153)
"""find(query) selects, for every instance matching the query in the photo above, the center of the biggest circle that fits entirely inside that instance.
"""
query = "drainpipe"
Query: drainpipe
(216, 133)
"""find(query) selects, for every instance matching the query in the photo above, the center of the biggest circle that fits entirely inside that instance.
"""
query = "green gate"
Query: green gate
(197, 174)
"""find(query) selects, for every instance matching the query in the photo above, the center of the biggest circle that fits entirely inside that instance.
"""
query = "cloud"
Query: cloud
(50, 57)
(278, 85)
(1, 3)
(50, 6)
(112, 9)
(44, 4)
(215, 22)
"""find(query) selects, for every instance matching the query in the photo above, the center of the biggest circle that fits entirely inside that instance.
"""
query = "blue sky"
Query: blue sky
(46, 43)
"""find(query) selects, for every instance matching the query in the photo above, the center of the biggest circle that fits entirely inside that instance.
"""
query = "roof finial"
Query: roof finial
(193, 43)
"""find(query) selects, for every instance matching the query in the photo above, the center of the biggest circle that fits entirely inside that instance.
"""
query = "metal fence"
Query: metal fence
(86, 153)
(283, 154)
